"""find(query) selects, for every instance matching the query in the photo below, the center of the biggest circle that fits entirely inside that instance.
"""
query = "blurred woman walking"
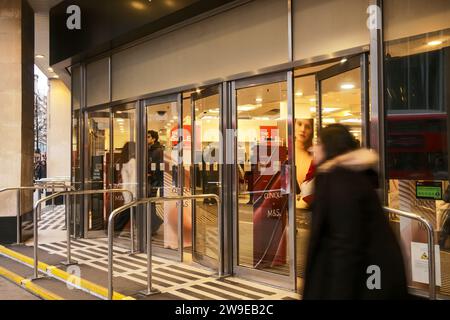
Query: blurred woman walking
(350, 234)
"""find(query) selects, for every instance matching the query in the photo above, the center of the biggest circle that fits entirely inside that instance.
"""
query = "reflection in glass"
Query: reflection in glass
(416, 94)
(261, 165)
(162, 170)
(341, 101)
(99, 160)
(206, 178)
(305, 133)
(124, 162)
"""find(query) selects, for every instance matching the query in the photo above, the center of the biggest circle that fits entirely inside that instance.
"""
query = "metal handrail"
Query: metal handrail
(148, 202)
(19, 204)
(431, 253)
(67, 195)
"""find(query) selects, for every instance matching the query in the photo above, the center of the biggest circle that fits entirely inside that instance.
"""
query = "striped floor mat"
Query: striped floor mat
(178, 279)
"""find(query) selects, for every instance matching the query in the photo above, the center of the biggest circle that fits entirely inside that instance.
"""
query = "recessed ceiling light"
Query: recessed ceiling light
(344, 60)
(40, 56)
(435, 43)
(313, 100)
(50, 69)
(259, 100)
(55, 76)
(348, 86)
(299, 94)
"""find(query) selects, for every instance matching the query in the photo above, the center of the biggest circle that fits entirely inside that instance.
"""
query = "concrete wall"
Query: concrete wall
(58, 136)
(16, 107)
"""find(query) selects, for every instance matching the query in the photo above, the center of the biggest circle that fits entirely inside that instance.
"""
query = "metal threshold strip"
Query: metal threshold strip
(60, 275)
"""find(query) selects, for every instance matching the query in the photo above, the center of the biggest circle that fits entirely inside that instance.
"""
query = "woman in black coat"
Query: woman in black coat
(350, 235)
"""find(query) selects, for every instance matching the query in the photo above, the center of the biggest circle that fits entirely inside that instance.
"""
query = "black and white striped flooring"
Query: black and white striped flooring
(178, 279)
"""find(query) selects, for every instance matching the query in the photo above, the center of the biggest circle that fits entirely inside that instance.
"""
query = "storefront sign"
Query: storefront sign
(429, 190)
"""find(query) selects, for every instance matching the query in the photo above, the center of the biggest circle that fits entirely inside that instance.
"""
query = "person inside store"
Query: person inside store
(155, 176)
(128, 178)
(350, 234)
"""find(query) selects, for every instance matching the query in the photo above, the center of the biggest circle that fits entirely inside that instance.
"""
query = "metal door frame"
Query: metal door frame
(200, 94)
(177, 98)
(285, 281)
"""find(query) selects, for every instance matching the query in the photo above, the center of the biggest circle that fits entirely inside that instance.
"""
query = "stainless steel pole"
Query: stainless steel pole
(132, 211)
(149, 249)
(110, 255)
(67, 203)
(431, 262)
(36, 213)
(150, 291)
(19, 217)
(53, 199)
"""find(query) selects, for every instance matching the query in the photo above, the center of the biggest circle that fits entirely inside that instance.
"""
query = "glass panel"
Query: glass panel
(207, 173)
(341, 101)
(306, 127)
(262, 157)
(162, 171)
(99, 160)
(417, 99)
(187, 163)
(76, 163)
(124, 162)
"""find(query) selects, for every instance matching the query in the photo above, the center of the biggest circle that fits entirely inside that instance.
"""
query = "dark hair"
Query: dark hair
(337, 140)
(153, 134)
(128, 152)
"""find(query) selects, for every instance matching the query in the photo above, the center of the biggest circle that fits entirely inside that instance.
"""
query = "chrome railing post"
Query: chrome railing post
(19, 217)
(67, 201)
(150, 291)
(36, 212)
(132, 211)
(431, 248)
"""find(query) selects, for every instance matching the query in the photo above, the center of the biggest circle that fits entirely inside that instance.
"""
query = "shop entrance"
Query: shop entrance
(273, 170)
(183, 158)
(111, 146)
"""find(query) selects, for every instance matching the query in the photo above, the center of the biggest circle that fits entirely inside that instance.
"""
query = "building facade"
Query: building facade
(236, 92)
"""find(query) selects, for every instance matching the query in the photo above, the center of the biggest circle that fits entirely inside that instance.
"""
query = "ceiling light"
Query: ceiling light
(214, 111)
(313, 100)
(40, 56)
(348, 86)
(351, 121)
(247, 107)
(55, 76)
(138, 5)
(329, 120)
(313, 110)
(435, 43)
(259, 100)
(50, 69)
(344, 60)
(299, 94)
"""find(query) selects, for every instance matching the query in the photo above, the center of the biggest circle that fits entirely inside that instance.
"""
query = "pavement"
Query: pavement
(10, 291)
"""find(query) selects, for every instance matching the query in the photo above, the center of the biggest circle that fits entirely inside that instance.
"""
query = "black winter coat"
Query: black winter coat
(350, 233)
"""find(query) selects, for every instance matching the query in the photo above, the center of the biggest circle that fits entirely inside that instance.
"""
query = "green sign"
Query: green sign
(429, 190)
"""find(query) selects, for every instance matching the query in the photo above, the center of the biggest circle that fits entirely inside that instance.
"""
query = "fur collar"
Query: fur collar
(358, 160)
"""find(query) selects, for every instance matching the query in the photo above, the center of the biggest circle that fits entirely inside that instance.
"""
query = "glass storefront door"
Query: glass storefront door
(262, 179)
(330, 93)
(206, 174)
(163, 176)
(111, 163)
(98, 173)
